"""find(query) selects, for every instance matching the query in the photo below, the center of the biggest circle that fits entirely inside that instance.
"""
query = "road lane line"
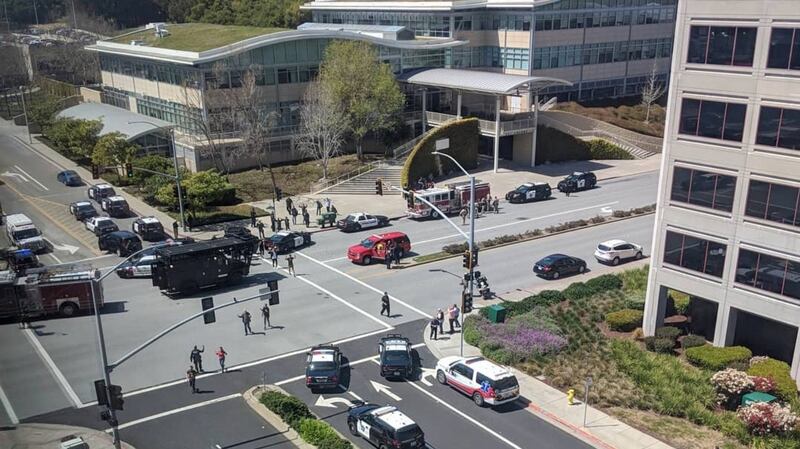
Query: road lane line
(32, 178)
(7, 405)
(30, 147)
(55, 258)
(59, 376)
(364, 284)
(334, 260)
(177, 410)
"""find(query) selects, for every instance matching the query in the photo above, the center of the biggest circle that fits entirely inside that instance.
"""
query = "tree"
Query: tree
(322, 126)
(43, 111)
(113, 149)
(205, 123)
(202, 189)
(365, 87)
(75, 137)
(152, 162)
(651, 92)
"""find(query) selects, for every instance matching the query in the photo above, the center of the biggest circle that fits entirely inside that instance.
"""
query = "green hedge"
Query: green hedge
(555, 146)
(296, 413)
(289, 408)
(463, 135)
(603, 149)
(785, 386)
(668, 332)
(693, 341)
(624, 320)
(544, 298)
(659, 344)
(717, 358)
(605, 282)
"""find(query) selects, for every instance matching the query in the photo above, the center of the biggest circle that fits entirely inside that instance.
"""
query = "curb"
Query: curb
(271, 418)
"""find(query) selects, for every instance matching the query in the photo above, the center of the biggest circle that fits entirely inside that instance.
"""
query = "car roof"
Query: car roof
(283, 233)
(387, 235)
(392, 417)
(613, 242)
(104, 186)
(115, 198)
(322, 355)
(122, 234)
(149, 220)
(555, 256)
(82, 203)
(487, 368)
(69, 172)
(97, 219)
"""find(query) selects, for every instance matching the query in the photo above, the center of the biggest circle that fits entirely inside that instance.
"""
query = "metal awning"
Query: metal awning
(114, 119)
(488, 83)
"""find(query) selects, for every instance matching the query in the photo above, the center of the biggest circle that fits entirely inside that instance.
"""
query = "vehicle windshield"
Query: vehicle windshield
(350, 218)
(504, 383)
(521, 189)
(603, 248)
(407, 433)
(367, 243)
(547, 261)
(106, 224)
(26, 234)
(396, 357)
(276, 238)
(321, 366)
(85, 207)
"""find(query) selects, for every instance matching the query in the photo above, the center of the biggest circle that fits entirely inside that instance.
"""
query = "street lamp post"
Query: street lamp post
(25, 111)
(471, 240)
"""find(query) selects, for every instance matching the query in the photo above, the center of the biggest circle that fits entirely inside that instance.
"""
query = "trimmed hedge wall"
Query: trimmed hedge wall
(716, 358)
(295, 412)
(553, 145)
(779, 372)
(463, 135)
(624, 320)
(602, 149)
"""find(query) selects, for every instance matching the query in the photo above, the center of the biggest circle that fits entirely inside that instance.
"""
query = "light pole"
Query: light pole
(25, 111)
(175, 162)
(471, 240)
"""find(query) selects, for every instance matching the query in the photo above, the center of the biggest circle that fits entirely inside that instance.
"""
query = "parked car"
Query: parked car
(123, 243)
(556, 265)
(530, 191)
(323, 367)
(287, 241)
(139, 267)
(101, 225)
(360, 220)
(396, 360)
(115, 206)
(485, 382)
(82, 210)
(615, 251)
(578, 181)
(384, 426)
(148, 228)
(100, 191)
(374, 247)
(69, 178)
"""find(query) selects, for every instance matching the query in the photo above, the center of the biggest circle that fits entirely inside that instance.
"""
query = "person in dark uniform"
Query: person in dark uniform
(290, 263)
(253, 217)
(191, 377)
(175, 229)
(294, 215)
(319, 207)
(289, 205)
(385, 304)
(197, 359)
(265, 316)
(434, 327)
(260, 227)
(306, 218)
(272, 221)
(286, 222)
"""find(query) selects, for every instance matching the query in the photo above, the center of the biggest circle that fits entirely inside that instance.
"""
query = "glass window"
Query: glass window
(757, 197)
(721, 45)
(769, 121)
(789, 135)
(746, 267)
(780, 48)
(770, 273)
(694, 253)
(791, 284)
(745, 47)
(712, 117)
(779, 127)
(681, 178)
(672, 248)
(734, 122)
(690, 112)
(782, 204)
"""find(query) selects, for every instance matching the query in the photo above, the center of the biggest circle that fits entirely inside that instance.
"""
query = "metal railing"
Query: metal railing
(630, 147)
(507, 127)
(328, 183)
(406, 148)
(650, 144)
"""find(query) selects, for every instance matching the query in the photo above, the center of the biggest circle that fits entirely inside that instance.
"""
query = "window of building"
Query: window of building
(773, 202)
(712, 119)
(694, 253)
(784, 49)
(769, 273)
(703, 188)
(778, 127)
(722, 45)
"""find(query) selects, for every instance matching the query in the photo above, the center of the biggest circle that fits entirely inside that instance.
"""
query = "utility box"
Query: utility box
(757, 396)
(497, 313)
(73, 442)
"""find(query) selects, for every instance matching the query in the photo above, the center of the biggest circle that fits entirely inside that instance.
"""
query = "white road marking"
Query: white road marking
(177, 410)
(425, 373)
(64, 247)
(364, 284)
(334, 260)
(32, 178)
(55, 258)
(381, 388)
(11, 174)
(331, 402)
(355, 395)
(62, 381)
(7, 405)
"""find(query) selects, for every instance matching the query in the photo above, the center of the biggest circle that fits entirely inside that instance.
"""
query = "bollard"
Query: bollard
(571, 396)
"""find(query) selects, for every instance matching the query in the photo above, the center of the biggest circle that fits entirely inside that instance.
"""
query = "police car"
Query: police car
(115, 206)
(384, 426)
(578, 181)
(286, 241)
(100, 225)
(323, 367)
(100, 191)
(396, 360)
(148, 228)
(359, 221)
(82, 210)
(530, 191)
(478, 378)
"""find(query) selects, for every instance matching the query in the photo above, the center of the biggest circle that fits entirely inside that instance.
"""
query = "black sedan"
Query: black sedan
(578, 181)
(323, 367)
(556, 265)
(286, 241)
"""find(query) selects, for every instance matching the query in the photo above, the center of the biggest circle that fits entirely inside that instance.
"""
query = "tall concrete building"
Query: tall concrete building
(727, 227)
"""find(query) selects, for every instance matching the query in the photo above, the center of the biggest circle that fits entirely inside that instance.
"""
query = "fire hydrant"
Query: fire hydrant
(571, 396)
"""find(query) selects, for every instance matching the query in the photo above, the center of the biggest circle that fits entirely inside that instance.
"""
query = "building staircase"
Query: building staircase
(364, 183)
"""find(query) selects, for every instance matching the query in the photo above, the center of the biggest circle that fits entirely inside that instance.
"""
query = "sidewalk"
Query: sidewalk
(48, 436)
(601, 431)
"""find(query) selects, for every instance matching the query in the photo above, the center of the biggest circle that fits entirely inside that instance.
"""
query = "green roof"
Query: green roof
(196, 37)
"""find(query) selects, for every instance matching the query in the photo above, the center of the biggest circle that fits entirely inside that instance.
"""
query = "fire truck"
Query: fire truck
(450, 199)
(53, 290)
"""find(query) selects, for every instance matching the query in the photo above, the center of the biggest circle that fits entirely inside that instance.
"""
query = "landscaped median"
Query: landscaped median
(458, 249)
(294, 419)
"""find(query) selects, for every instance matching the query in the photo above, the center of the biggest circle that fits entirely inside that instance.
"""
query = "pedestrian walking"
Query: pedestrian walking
(286, 222)
(496, 204)
(440, 318)
(197, 359)
(456, 315)
(289, 205)
(191, 377)
(273, 255)
(279, 223)
(327, 204)
(260, 226)
(434, 328)
(290, 264)
(385, 304)
(294, 215)
(253, 216)
(306, 218)
(463, 215)
(221, 357)
(245, 316)
(319, 207)
(265, 316)
(175, 229)
(303, 209)
(450, 319)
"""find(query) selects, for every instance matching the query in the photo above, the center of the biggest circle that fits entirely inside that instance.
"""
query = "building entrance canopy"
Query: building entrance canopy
(114, 119)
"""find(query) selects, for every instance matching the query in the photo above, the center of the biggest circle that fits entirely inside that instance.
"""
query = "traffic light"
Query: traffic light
(410, 199)
(100, 392)
(129, 170)
(115, 393)
(208, 303)
(475, 257)
(273, 297)
(378, 187)
(95, 171)
(466, 260)
(466, 302)
(278, 194)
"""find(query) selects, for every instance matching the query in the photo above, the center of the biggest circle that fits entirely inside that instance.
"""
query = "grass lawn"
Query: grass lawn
(196, 36)
(628, 117)
(255, 185)
(219, 214)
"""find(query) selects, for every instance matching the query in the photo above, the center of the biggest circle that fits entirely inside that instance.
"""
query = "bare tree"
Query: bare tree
(323, 125)
(651, 92)
(204, 124)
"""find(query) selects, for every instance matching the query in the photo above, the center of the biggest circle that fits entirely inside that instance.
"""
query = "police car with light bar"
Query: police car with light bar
(384, 426)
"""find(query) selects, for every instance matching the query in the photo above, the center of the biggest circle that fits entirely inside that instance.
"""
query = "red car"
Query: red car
(374, 247)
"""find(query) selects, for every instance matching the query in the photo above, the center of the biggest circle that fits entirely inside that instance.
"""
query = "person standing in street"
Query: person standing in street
(294, 216)
(245, 316)
(221, 357)
(303, 208)
(197, 359)
(327, 204)
(333, 209)
(496, 204)
(273, 255)
(175, 229)
(306, 218)
(191, 377)
(451, 319)
(279, 224)
(385, 304)
(272, 221)
(440, 319)
(456, 315)
(260, 226)
(252, 216)
(289, 205)
(265, 316)
(398, 250)
(286, 222)
(319, 207)
(387, 255)
(290, 264)
(434, 327)
(261, 247)
(463, 215)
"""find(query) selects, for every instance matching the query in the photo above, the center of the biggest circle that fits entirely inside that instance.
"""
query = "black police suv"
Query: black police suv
(395, 357)
(578, 181)
(286, 241)
(148, 228)
(124, 243)
(82, 210)
(384, 426)
(323, 367)
(530, 191)
(556, 265)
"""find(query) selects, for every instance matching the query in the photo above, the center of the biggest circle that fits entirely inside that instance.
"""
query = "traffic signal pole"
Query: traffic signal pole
(112, 414)
(471, 245)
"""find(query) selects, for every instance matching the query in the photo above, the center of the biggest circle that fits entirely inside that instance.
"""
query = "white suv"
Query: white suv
(614, 251)
(482, 380)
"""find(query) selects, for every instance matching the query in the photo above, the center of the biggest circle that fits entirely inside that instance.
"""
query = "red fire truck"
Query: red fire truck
(64, 290)
(450, 199)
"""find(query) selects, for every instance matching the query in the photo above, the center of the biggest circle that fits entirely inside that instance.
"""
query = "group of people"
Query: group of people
(483, 205)
(437, 322)
(393, 254)
(423, 183)
(196, 368)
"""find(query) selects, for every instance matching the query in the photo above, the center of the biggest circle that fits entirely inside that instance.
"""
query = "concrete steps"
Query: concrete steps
(364, 184)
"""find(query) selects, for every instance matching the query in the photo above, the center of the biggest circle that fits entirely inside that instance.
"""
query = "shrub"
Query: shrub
(634, 281)
(785, 386)
(732, 382)
(463, 135)
(545, 298)
(335, 444)
(316, 431)
(289, 408)
(763, 384)
(692, 341)
(555, 146)
(668, 332)
(624, 320)
(762, 418)
(473, 328)
(578, 290)
(681, 302)
(716, 358)
(663, 345)
(455, 248)
(605, 150)
(638, 334)
(521, 343)
(550, 297)
(605, 283)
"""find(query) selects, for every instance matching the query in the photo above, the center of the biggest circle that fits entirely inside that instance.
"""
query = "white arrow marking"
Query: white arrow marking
(381, 388)
(607, 210)
(65, 247)
(12, 175)
(425, 373)
(330, 402)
